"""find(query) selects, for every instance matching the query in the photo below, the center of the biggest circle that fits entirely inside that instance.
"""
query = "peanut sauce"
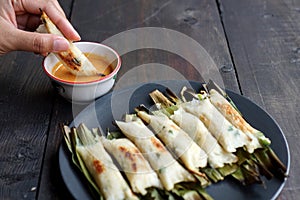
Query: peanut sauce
(99, 62)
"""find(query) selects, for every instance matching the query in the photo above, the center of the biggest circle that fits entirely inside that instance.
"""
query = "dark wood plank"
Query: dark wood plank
(25, 104)
(22, 162)
(196, 19)
(51, 185)
(264, 40)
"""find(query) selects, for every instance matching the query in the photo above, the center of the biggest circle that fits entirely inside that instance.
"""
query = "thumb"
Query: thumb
(40, 43)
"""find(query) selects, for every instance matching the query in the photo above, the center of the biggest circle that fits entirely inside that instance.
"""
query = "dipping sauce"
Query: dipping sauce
(99, 62)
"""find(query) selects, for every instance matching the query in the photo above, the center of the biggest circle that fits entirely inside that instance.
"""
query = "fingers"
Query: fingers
(63, 24)
(39, 43)
(55, 13)
(28, 22)
(33, 22)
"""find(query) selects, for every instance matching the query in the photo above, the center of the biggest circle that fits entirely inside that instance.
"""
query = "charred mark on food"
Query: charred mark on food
(98, 166)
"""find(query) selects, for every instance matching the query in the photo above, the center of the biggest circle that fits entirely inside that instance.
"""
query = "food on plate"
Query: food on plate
(177, 182)
(169, 170)
(217, 156)
(227, 135)
(137, 169)
(266, 158)
(236, 119)
(209, 146)
(176, 140)
(254, 158)
(73, 59)
(99, 164)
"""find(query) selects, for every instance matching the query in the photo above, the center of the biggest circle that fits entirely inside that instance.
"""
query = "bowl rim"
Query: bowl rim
(101, 79)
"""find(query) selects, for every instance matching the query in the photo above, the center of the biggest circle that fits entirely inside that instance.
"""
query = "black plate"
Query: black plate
(112, 107)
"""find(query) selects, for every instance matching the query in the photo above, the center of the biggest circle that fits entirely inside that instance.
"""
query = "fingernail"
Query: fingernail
(60, 44)
(77, 34)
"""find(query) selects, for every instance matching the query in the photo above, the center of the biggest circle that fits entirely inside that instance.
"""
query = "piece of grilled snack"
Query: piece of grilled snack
(73, 59)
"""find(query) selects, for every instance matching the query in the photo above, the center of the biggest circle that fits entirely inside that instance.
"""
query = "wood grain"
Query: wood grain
(51, 183)
(198, 20)
(264, 41)
(25, 104)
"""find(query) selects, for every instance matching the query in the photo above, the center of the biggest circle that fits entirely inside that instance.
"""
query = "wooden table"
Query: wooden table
(255, 45)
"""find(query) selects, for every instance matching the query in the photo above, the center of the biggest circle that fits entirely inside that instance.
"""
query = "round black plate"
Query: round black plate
(114, 105)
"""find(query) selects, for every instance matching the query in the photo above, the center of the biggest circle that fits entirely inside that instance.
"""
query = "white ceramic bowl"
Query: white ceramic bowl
(85, 92)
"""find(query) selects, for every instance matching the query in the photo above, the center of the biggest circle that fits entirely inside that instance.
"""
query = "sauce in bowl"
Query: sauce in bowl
(99, 62)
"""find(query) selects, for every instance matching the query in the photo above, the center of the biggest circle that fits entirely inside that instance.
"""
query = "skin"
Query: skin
(18, 20)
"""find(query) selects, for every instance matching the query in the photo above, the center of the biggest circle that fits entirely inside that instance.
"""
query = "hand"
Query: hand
(19, 17)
